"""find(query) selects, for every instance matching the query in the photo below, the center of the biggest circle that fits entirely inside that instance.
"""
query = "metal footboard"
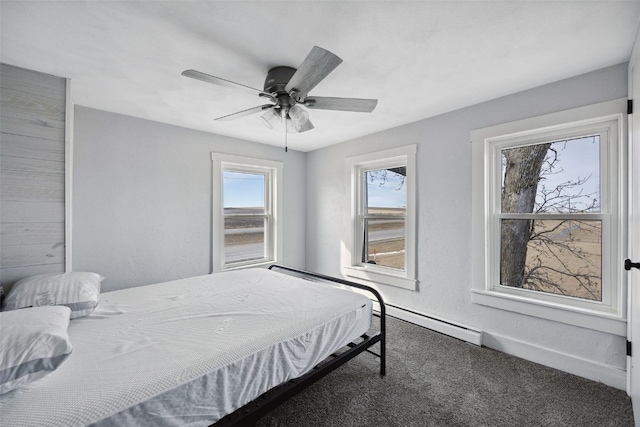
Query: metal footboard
(251, 412)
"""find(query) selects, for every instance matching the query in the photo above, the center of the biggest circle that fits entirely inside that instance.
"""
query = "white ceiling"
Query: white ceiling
(418, 58)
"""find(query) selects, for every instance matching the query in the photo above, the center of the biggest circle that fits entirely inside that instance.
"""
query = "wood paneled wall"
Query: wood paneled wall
(32, 173)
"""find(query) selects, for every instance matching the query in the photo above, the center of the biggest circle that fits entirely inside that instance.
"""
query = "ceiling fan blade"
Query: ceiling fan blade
(246, 112)
(342, 104)
(215, 80)
(315, 67)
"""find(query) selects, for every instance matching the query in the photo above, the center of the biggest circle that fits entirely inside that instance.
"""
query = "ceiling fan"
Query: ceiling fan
(287, 89)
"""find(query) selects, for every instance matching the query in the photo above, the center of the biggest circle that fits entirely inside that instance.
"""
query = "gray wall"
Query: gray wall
(444, 221)
(142, 198)
(32, 174)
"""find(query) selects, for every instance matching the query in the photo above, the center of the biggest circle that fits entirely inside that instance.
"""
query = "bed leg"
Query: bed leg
(383, 338)
(383, 358)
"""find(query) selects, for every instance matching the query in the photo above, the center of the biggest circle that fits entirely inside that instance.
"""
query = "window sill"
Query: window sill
(381, 277)
(584, 318)
(264, 263)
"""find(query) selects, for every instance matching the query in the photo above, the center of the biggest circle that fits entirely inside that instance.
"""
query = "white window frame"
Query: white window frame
(353, 266)
(273, 171)
(609, 121)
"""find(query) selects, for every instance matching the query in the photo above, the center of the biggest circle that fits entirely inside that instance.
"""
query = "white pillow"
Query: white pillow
(78, 291)
(33, 343)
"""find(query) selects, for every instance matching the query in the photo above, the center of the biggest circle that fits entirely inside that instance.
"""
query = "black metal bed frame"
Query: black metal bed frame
(252, 411)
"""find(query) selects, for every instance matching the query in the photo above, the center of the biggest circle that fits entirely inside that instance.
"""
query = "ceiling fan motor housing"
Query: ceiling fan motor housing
(277, 79)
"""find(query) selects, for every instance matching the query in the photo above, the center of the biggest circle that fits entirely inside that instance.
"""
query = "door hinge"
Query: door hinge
(628, 348)
(629, 106)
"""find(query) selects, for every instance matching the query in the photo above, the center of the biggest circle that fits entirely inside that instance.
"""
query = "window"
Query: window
(383, 216)
(547, 228)
(382, 230)
(246, 211)
(247, 215)
(550, 221)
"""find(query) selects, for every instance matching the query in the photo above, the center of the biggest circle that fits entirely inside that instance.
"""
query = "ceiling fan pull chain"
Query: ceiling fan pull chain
(286, 145)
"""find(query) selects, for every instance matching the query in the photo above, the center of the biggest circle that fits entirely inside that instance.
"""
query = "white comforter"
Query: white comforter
(190, 351)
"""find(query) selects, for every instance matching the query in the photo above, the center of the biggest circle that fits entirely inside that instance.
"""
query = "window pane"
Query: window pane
(244, 239)
(554, 177)
(554, 256)
(386, 191)
(384, 242)
(244, 190)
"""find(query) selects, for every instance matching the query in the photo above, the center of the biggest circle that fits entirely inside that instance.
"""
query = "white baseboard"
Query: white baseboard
(606, 374)
(594, 371)
(452, 329)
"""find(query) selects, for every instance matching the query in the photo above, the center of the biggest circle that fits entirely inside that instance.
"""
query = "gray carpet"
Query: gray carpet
(435, 380)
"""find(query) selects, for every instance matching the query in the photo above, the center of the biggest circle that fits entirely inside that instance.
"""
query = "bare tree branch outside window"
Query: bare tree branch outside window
(559, 256)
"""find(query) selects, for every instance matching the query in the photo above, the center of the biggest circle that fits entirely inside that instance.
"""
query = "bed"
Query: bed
(222, 348)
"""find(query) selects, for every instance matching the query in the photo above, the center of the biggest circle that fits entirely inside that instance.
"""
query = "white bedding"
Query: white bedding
(190, 351)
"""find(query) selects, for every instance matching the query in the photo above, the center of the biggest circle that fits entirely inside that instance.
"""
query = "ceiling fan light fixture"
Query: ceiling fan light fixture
(291, 128)
(299, 116)
(271, 118)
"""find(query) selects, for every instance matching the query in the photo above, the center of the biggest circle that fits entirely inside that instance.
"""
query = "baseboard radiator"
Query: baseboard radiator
(452, 329)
